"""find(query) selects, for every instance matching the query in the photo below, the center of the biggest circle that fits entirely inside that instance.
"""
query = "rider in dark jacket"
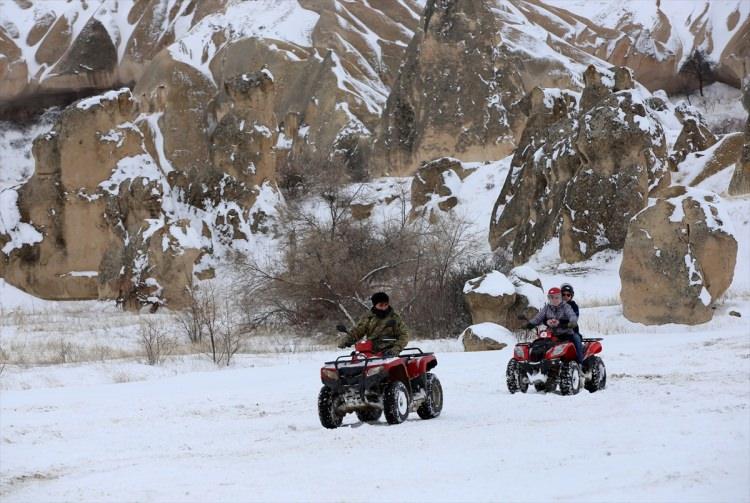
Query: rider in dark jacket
(382, 325)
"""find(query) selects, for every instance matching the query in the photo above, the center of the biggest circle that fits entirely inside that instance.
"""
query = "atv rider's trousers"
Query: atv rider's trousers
(577, 341)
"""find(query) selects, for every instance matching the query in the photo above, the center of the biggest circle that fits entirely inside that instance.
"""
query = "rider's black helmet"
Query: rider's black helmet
(567, 288)
(379, 297)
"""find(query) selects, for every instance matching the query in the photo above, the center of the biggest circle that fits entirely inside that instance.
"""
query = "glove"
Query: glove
(529, 326)
(388, 353)
(343, 344)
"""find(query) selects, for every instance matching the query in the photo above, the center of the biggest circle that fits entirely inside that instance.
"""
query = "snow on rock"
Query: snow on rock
(486, 337)
(493, 283)
(97, 100)
(494, 297)
(528, 285)
(19, 233)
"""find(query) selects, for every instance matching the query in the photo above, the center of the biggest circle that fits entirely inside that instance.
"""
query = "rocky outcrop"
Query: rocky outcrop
(458, 88)
(740, 183)
(485, 337)
(496, 298)
(679, 257)
(433, 182)
(584, 169)
(723, 154)
(118, 169)
(695, 136)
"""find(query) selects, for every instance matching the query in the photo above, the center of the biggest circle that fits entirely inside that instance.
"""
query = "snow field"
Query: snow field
(673, 423)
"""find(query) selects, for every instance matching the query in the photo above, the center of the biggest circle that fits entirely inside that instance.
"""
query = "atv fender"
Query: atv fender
(398, 372)
(421, 365)
(592, 348)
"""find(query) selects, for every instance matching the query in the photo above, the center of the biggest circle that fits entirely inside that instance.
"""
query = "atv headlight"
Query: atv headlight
(374, 370)
(518, 351)
(330, 374)
(559, 349)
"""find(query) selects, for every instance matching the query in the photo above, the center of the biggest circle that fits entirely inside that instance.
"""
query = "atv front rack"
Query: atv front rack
(416, 352)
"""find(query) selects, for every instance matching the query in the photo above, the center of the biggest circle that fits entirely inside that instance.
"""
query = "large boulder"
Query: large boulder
(497, 298)
(679, 257)
(623, 152)
(486, 337)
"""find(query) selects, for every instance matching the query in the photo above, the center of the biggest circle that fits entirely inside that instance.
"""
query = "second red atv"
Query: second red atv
(548, 363)
(369, 385)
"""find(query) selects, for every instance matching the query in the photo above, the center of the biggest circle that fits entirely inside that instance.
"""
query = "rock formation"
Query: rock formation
(486, 337)
(432, 183)
(151, 196)
(500, 299)
(740, 183)
(583, 168)
(679, 257)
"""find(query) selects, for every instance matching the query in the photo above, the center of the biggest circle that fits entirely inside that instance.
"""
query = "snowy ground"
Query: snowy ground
(673, 424)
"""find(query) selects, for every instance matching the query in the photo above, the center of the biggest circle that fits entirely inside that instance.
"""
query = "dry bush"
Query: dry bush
(209, 323)
(66, 351)
(156, 342)
(3, 360)
(334, 263)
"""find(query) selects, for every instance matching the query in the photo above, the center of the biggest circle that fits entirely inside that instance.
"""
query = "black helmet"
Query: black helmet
(379, 297)
(567, 288)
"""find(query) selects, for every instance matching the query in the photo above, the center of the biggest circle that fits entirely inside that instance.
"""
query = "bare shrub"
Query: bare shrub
(3, 360)
(334, 263)
(65, 351)
(230, 336)
(190, 319)
(209, 323)
(156, 342)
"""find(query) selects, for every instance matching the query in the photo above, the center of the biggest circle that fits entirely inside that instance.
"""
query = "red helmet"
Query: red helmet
(554, 291)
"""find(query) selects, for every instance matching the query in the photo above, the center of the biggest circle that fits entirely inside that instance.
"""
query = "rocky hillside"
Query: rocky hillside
(214, 109)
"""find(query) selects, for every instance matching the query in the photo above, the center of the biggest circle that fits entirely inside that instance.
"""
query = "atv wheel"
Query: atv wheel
(514, 379)
(433, 402)
(598, 378)
(396, 403)
(369, 415)
(327, 403)
(570, 378)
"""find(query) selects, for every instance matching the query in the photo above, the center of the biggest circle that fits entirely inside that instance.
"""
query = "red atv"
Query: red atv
(369, 384)
(548, 362)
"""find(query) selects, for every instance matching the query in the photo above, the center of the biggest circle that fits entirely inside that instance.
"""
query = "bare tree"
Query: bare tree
(698, 66)
(155, 341)
(3, 360)
(230, 337)
(190, 318)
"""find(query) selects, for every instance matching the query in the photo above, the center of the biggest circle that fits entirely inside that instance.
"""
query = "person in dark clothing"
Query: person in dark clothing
(382, 325)
(566, 289)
